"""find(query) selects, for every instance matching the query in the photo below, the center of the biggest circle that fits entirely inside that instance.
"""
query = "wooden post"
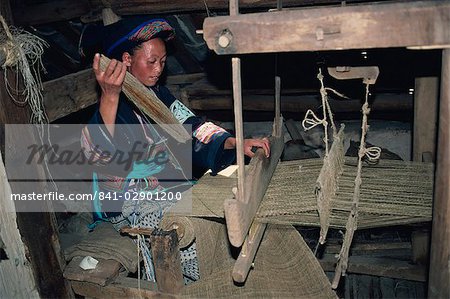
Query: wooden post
(38, 231)
(167, 262)
(238, 123)
(426, 91)
(234, 7)
(16, 275)
(240, 212)
(425, 117)
(277, 104)
(248, 252)
(123, 287)
(224, 40)
(439, 277)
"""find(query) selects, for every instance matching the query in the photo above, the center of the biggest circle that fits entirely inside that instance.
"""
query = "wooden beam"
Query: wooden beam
(418, 23)
(69, 94)
(205, 89)
(439, 286)
(122, 287)
(184, 79)
(73, 92)
(426, 93)
(380, 249)
(55, 11)
(301, 103)
(133, 231)
(248, 252)
(239, 212)
(368, 74)
(51, 11)
(158, 6)
(167, 261)
(384, 267)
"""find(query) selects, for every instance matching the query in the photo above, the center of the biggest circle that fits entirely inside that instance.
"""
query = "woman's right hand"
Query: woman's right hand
(111, 79)
(110, 82)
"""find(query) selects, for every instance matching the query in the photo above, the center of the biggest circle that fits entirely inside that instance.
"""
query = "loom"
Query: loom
(321, 192)
(296, 192)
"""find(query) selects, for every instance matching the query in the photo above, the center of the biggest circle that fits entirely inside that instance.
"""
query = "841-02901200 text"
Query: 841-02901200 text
(134, 195)
(100, 195)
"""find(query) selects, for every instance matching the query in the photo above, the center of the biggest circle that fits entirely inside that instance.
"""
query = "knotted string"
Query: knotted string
(311, 120)
(373, 154)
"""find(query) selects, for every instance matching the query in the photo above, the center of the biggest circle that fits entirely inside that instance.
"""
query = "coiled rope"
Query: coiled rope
(23, 52)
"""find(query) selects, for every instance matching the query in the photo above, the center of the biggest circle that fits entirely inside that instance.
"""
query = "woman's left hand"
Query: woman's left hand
(262, 143)
(249, 144)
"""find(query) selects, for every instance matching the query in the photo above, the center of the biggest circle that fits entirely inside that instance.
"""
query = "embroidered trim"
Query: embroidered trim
(154, 27)
(205, 133)
(180, 111)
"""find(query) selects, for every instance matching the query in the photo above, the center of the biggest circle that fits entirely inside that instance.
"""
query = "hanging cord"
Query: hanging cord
(373, 154)
(311, 120)
(146, 256)
(208, 13)
(174, 160)
(139, 247)
(142, 248)
(139, 270)
(23, 52)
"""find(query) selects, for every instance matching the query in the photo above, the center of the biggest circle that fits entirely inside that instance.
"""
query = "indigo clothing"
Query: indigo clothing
(150, 143)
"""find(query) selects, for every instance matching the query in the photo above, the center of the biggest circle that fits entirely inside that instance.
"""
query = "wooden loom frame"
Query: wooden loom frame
(418, 24)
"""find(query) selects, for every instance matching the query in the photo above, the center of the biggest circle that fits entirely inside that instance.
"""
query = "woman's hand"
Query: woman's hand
(111, 79)
(110, 82)
(249, 144)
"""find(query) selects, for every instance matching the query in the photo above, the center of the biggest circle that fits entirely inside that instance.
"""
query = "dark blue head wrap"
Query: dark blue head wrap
(123, 36)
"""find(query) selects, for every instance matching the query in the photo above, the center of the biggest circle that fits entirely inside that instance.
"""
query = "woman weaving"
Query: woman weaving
(139, 47)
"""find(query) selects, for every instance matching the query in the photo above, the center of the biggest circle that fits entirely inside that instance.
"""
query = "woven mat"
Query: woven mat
(284, 266)
(392, 193)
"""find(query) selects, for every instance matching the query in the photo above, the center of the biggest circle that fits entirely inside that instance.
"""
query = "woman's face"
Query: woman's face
(147, 63)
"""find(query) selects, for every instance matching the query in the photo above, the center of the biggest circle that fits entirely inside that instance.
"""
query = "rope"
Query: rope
(373, 154)
(326, 184)
(337, 93)
(139, 270)
(23, 52)
(311, 120)
(208, 13)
